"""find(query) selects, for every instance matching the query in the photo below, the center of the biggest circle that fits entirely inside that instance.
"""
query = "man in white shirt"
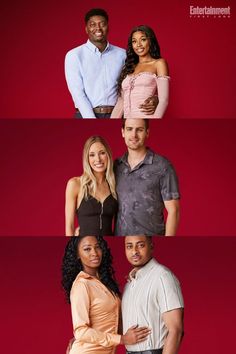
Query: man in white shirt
(152, 297)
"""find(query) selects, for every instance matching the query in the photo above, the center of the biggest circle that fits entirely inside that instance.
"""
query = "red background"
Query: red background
(39, 156)
(36, 319)
(37, 34)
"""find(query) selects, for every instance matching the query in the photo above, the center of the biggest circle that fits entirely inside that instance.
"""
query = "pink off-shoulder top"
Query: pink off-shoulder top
(136, 89)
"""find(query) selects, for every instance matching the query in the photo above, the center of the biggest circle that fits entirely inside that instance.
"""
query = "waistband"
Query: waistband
(153, 351)
(101, 109)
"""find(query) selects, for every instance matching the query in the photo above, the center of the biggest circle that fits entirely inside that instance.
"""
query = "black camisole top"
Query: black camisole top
(95, 218)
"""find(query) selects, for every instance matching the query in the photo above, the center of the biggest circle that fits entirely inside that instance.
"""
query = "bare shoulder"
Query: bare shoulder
(73, 184)
(162, 67)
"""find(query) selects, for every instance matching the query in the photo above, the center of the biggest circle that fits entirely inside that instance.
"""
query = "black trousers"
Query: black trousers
(98, 115)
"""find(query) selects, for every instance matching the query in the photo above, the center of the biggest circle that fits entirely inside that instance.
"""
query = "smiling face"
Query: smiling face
(135, 133)
(98, 157)
(140, 43)
(90, 254)
(97, 29)
(138, 250)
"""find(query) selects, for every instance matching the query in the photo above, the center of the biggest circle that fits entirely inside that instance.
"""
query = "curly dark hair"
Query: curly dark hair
(132, 59)
(71, 266)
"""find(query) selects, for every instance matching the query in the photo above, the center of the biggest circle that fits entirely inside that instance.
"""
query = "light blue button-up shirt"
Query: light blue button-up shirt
(92, 76)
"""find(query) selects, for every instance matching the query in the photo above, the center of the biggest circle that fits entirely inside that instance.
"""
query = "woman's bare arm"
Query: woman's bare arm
(72, 191)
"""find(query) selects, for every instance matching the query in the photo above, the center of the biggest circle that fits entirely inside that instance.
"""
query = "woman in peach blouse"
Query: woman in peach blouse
(144, 75)
(88, 280)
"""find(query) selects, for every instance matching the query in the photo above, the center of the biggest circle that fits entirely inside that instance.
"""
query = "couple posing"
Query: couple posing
(152, 302)
(105, 81)
(133, 197)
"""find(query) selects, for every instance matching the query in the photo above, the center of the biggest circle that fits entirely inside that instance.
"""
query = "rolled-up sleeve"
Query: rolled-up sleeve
(80, 308)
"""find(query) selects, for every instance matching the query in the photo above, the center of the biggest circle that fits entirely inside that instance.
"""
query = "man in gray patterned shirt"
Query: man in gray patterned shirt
(146, 185)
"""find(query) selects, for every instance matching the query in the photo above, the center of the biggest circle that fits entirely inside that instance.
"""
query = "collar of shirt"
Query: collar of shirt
(84, 275)
(137, 274)
(148, 159)
(95, 49)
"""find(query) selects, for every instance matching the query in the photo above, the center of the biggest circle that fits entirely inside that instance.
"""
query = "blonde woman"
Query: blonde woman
(92, 196)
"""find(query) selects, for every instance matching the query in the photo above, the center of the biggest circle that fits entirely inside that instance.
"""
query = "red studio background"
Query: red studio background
(39, 156)
(36, 319)
(37, 34)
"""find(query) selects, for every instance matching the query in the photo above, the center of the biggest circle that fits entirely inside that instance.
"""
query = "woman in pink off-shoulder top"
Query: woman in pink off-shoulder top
(144, 75)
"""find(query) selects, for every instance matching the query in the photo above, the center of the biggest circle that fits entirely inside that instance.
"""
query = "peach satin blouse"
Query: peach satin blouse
(95, 316)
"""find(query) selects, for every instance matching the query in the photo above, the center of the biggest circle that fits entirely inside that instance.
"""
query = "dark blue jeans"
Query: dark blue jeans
(98, 115)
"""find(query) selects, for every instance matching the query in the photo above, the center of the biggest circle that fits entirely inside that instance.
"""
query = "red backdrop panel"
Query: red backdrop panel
(37, 34)
(39, 156)
(36, 319)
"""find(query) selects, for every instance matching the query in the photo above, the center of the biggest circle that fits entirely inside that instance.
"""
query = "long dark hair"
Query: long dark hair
(71, 266)
(132, 58)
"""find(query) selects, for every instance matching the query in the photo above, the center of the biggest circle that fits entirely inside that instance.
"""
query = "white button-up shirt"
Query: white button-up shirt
(153, 291)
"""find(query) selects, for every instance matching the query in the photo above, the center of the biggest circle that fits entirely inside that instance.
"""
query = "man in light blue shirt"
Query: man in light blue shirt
(93, 68)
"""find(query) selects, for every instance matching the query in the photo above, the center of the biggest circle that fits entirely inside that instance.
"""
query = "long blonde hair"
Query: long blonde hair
(88, 182)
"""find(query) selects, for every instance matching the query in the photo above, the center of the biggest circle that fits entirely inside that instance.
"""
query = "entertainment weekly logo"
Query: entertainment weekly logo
(209, 12)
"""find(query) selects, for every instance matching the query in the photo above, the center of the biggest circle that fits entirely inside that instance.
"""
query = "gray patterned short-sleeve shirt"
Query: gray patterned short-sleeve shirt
(141, 194)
